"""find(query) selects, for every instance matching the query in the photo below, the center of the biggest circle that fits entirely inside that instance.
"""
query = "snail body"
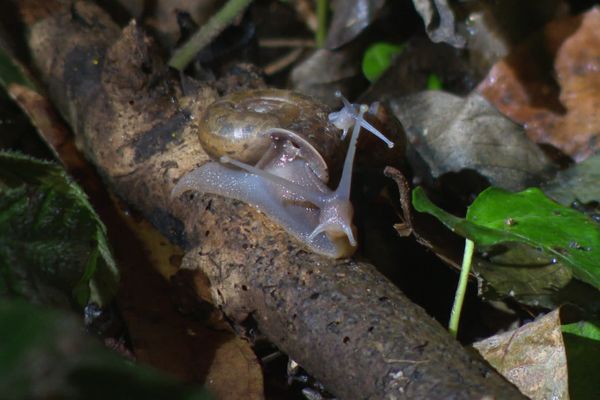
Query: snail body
(279, 141)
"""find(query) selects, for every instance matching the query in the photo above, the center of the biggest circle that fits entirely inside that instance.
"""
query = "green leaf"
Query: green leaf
(11, 71)
(498, 216)
(45, 354)
(53, 246)
(378, 58)
(434, 82)
(582, 345)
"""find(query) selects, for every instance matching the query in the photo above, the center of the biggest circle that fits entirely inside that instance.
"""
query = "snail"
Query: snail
(273, 147)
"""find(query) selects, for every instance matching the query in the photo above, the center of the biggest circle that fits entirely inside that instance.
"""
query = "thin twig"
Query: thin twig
(305, 10)
(215, 25)
(283, 62)
(284, 42)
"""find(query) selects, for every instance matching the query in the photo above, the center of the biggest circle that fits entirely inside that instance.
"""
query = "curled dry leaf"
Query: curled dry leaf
(532, 357)
(439, 21)
(453, 134)
(524, 87)
(349, 19)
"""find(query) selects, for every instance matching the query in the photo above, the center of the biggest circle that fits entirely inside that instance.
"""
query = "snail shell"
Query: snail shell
(280, 141)
(241, 126)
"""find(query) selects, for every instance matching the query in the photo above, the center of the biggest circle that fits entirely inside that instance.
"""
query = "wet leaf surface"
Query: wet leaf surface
(452, 134)
(522, 273)
(514, 271)
(551, 84)
(580, 183)
(528, 217)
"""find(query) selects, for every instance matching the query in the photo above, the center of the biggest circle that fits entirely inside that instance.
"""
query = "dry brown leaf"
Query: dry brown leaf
(452, 134)
(192, 349)
(524, 87)
(324, 72)
(532, 357)
(439, 22)
(350, 18)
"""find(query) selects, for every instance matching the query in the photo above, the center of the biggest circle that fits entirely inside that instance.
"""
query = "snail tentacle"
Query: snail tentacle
(349, 116)
(278, 142)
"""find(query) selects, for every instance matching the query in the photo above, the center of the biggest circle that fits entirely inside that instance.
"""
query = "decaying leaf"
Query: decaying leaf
(349, 19)
(326, 71)
(200, 350)
(453, 134)
(558, 103)
(495, 27)
(532, 357)
(522, 273)
(579, 183)
(439, 21)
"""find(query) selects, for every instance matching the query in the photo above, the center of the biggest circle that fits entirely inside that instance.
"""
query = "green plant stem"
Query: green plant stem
(215, 25)
(322, 7)
(459, 297)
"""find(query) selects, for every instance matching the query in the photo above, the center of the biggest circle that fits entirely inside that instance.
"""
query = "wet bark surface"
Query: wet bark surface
(340, 319)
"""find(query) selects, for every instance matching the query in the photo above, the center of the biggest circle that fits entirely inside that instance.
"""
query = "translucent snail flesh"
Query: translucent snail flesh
(271, 146)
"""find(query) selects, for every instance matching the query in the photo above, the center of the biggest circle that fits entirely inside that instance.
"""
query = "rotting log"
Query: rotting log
(340, 319)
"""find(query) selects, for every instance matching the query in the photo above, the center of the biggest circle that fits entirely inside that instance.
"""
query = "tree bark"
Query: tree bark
(340, 319)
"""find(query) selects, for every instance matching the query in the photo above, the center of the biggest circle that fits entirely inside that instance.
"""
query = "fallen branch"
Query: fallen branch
(341, 320)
